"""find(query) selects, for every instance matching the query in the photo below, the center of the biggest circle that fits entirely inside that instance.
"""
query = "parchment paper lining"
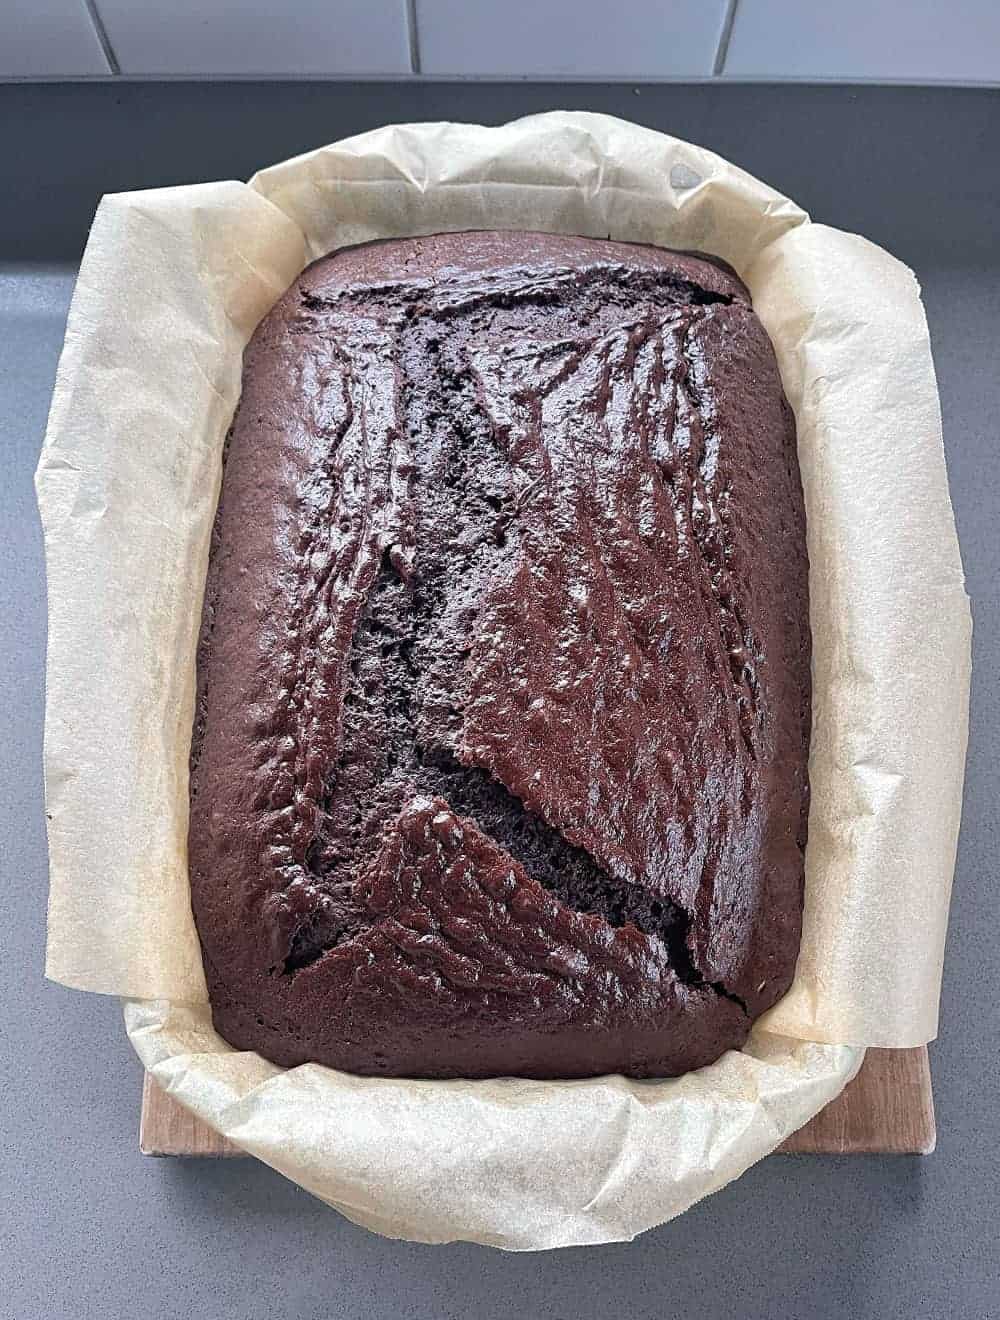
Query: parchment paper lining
(172, 285)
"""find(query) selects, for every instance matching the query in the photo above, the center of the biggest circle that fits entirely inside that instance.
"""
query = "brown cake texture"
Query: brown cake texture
(499, 760)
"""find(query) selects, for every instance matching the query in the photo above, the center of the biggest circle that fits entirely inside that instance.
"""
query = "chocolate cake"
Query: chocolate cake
(499, 760)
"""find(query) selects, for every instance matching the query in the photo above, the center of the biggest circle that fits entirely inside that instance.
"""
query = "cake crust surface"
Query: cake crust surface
(500, 756)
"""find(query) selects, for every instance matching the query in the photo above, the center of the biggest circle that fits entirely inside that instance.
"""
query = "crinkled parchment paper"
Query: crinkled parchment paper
(172, 284)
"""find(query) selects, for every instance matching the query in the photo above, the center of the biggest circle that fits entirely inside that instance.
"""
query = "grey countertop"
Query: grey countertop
(89, 1228)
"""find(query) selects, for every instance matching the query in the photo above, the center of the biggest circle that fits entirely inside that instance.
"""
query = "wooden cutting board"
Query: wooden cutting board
(887, 1110)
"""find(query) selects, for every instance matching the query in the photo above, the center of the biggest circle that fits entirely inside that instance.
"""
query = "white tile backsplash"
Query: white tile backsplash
(954, 40)
(48, 39)
(567, 38)
(297, 37)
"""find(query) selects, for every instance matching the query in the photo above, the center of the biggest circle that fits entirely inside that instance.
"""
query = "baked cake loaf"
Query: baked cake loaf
(499, 763)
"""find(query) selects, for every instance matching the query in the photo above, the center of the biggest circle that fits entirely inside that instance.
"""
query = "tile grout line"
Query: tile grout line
(413, 34)
(727, 31)
(101, 33)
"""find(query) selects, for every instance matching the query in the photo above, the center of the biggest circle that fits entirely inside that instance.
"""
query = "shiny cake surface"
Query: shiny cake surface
(499, 762)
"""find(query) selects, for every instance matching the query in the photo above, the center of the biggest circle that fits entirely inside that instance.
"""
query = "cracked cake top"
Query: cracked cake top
(499, 763)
